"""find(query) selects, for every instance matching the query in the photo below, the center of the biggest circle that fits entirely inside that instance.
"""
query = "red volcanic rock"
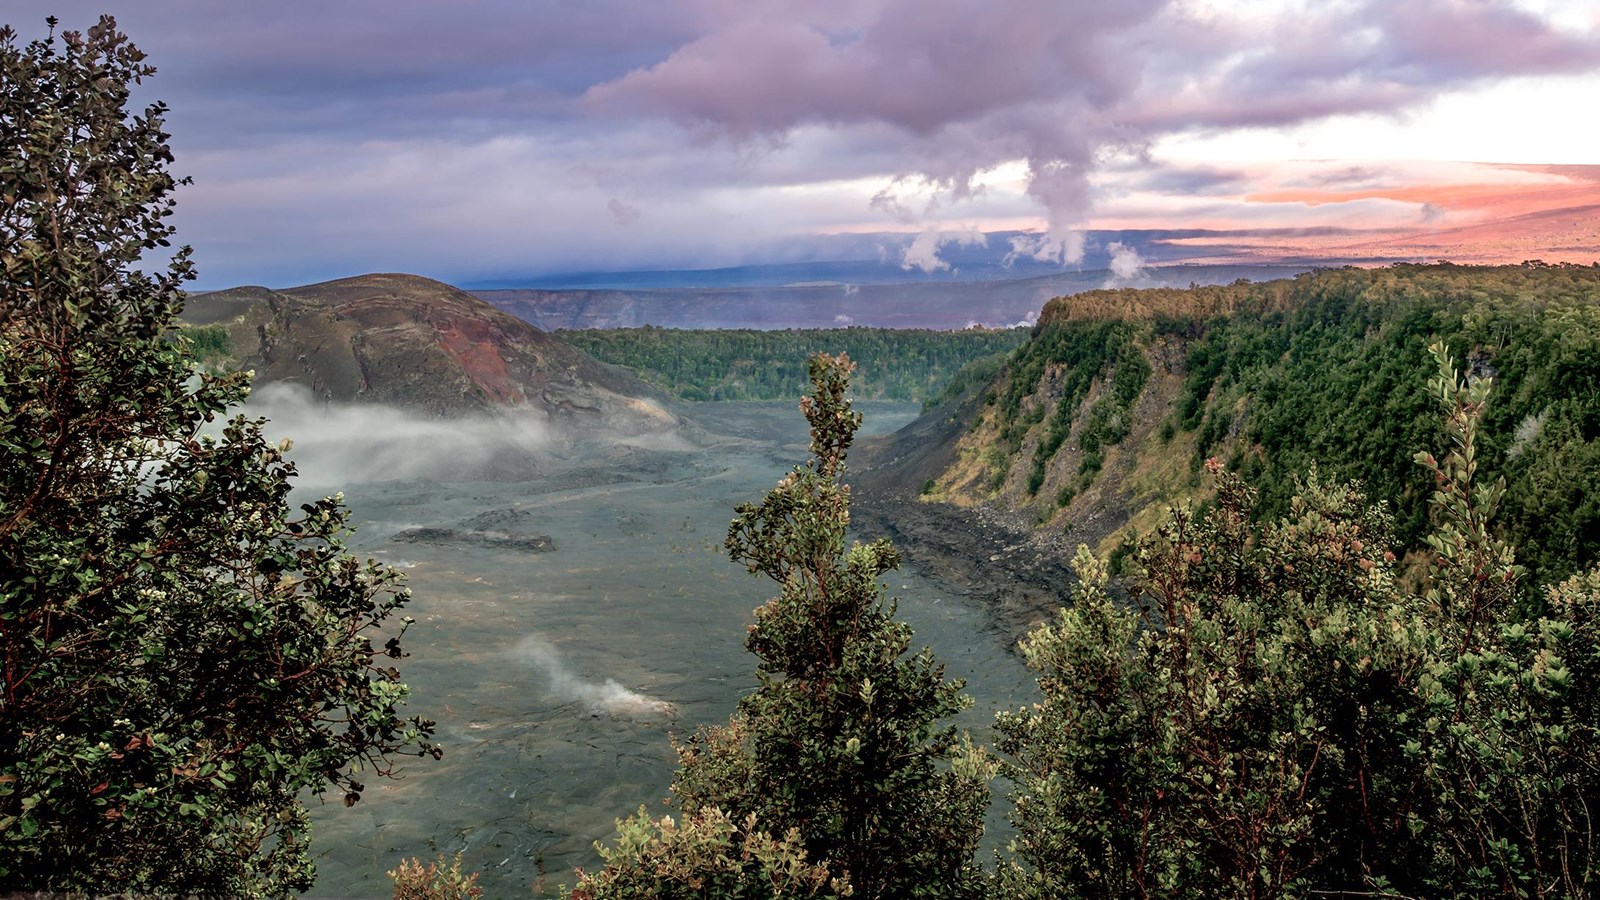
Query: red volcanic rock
(421, 344)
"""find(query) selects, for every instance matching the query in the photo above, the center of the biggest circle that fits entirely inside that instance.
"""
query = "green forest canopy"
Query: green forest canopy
(747, 364)
(1330, 369)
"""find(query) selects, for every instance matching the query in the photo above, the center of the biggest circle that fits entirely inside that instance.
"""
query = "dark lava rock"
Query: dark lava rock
(1019, 578)
(500, 520)
(497, 540)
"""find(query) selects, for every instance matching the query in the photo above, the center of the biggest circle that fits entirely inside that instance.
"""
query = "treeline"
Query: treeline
(1330, 369)
(208, 343)
(747, 364)
(1338, 380)
(1279, 712)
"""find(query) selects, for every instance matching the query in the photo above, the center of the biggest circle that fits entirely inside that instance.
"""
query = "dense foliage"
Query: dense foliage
(184, 658)
(1326, 369)
(1083, 353)
(1339, 379)
(208, 343)
(968, 380)
(841, 747)
(1278, 712)
(746, 364)
(1279, 716)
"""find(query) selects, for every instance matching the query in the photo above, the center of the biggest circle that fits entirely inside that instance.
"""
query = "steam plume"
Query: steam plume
(599, 696)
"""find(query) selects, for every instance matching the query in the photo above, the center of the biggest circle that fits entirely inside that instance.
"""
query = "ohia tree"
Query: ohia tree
(184, 655)
(842, 750)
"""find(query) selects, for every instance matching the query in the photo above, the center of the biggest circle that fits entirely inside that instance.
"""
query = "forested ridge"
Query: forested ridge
(748, 364)
(1327, 369)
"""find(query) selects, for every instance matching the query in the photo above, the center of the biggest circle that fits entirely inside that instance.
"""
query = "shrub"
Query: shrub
(435, 881)
(1278, 716)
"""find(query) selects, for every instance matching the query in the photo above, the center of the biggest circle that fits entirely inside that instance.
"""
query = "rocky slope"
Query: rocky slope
(422, 345)
(1101, 422)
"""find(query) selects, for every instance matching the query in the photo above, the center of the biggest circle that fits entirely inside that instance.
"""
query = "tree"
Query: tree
(1281, 715)
(184, 657)
(1508, 740)
(841, 747)
(1207, 742)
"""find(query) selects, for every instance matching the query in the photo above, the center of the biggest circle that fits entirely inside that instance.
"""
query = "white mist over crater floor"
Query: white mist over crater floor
(341, 444)
(558, 677)
(336, 445)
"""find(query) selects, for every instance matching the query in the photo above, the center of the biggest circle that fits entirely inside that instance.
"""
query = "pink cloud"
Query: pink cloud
(967, 85)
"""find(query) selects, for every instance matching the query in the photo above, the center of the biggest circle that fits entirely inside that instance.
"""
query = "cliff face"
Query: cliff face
(423, 345)
(1101, 421)
(1050, 447)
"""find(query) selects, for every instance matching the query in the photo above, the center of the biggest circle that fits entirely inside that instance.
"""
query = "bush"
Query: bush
(436, 881)
(1278, 716)
(707, 855)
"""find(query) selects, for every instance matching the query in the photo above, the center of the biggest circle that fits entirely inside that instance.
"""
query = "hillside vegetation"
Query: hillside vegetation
(1279, 712)
(747, 364)
(1103, 418)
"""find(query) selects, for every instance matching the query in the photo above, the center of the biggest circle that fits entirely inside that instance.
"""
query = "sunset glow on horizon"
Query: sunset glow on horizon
(505, 139)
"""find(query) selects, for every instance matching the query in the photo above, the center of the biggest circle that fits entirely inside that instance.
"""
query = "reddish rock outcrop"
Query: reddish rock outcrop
(424, 345)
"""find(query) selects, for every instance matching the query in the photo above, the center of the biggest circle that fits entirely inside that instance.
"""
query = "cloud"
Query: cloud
(1125, 261)
(920, 65)
(1188, 180)
(1350, 177)
(339, 444)
(467, 140)
(1126, 264)
(597, 695)
(923, 251)
(961, 86)
(1063, 248)
(382, 68)
(622, 212)
(1315, 61)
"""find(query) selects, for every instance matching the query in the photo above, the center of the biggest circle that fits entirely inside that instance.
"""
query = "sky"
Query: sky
(487, 139)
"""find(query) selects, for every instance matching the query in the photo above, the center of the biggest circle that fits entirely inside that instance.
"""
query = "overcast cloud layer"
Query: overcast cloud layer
(469, 141)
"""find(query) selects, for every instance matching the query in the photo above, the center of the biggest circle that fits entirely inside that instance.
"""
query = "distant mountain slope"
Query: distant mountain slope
(1100, 422)
(880, 258)
(913, 304)
(420, 344)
